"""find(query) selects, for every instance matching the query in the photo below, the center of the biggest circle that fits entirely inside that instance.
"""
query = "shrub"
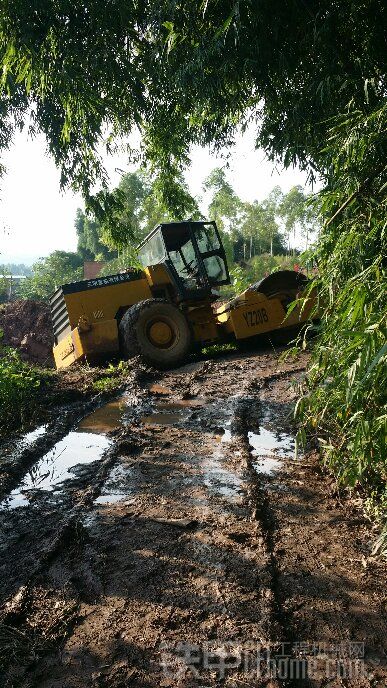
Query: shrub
(19, 388)
(344, 400)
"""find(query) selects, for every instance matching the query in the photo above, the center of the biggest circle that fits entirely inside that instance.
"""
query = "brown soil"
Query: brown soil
(196, 551)
(27, 326)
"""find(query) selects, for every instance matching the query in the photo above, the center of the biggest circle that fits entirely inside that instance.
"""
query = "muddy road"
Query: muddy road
(172, 538)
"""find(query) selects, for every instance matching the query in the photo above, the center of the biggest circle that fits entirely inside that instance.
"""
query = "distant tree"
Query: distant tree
(225, 206)
(140, 207)
(297, 212)
(90, 245)
(4, 285)
(49, 273)
(260, 228)
(15, 269)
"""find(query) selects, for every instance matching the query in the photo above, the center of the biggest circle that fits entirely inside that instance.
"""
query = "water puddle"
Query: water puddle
(161, 419)
(270, 443)
(227, 436)
(266, 465)
(85, 444)
(220, 481)
(32, 436)
(268, 447)
(58, 465)
(104, 419)
(172, 412)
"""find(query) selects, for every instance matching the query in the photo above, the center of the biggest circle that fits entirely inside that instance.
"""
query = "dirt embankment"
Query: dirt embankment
(27, 326)
(172, 539)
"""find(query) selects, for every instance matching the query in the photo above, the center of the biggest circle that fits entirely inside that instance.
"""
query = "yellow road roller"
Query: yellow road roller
(164, 310)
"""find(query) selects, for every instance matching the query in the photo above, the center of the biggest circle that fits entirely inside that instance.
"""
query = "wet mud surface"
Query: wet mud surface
(172, 538)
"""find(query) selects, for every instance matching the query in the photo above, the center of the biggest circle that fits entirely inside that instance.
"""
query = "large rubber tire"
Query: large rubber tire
(160, 317)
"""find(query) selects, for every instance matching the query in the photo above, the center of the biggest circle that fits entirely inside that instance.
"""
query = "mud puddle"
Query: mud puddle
(31, 437)
(269, 447)
(172, 412)
(220, 481)
(58, 465)
(106, 418)
(87, 443)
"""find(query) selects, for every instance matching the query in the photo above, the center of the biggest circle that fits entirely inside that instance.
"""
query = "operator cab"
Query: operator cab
(192, 252)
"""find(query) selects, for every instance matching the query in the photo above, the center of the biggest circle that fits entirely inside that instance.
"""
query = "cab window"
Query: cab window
(215, 268)
(153, 252)
(207, 238)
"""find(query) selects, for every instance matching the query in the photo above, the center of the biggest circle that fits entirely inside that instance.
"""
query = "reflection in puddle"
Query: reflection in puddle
(84, 445)
(219, 480)
(226, 437)
(117, 487)
(268, 447)
(222, 482)
(30, 437)
(266, 465)
(56, 466)
(161, 419)
(270, 443)
(104, 419)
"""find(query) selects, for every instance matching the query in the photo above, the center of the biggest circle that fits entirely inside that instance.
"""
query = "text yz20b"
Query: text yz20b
(254, 318)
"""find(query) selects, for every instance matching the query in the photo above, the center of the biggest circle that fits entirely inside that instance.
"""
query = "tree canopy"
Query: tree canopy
(49, 273)
(186, 72)
(309, 75)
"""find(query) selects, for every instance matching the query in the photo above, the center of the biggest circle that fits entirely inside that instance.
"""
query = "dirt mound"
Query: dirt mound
(26, 326)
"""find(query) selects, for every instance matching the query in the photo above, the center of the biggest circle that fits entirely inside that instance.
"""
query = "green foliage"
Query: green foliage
(312, 77)
(15, 269)
(4, 286)
(20, 386)
(345, 398)
(255, 228)
(49, 273)
(242, 276)
(140, 206)
(260, 228)
(240, 279)
(112, 377)
(225, 207)
(298, 210)
(89, 233)
(265, 264)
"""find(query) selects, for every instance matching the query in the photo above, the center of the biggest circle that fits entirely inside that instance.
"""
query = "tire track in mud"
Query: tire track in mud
(246, 417)
(18, 456)
(31, 536)
(176, 550)
(200, 548)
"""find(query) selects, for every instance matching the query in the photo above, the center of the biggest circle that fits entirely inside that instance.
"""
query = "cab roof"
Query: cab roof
(171, 226)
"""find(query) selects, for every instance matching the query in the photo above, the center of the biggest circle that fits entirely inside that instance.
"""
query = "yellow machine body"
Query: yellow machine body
(91, 328)
(93, 306)
(191, 261)
(252, 313)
